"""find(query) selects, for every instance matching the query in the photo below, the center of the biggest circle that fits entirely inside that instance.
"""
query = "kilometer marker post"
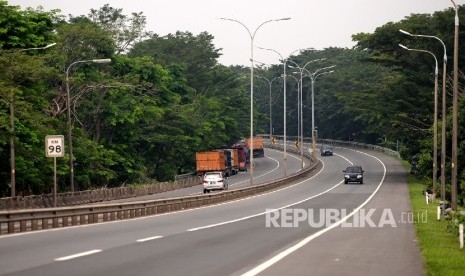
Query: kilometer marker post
(54, 147)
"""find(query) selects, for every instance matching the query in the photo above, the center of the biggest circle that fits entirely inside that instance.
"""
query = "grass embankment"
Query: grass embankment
(439, 247)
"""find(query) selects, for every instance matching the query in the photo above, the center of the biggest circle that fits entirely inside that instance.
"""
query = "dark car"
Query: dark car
(353, 174)
(326, 150)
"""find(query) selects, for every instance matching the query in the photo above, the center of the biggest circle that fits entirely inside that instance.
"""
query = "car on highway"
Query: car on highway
(353, 174)
(326, 150)
(214, 181)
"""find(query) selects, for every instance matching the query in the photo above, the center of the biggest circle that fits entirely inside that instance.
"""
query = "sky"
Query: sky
(315, 24)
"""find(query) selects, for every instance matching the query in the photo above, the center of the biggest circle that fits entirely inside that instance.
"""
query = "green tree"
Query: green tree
(22, 84)
(29, 28)
(196, 53)
(414, 88)
(124, 30)
(22, 81)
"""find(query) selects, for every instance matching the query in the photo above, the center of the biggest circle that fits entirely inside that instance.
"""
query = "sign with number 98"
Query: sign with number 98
(54, 146)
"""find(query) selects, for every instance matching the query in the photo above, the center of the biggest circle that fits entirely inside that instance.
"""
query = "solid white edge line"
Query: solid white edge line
(149, 238)
(146, 217)
(260, 268)
(78, 255)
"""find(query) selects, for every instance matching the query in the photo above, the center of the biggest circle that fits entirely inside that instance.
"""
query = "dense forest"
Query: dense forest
(143, 116)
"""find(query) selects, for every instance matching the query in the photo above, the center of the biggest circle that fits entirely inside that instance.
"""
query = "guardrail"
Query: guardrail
(108, 194)
(349, 144)
(97, 195)
(339, 143)
(38, 219)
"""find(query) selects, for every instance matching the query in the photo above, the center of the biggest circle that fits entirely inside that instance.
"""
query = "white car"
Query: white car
(214, 181)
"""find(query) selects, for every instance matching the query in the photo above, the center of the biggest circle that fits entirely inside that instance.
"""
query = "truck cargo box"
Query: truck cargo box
(258, 150)
(208, 161)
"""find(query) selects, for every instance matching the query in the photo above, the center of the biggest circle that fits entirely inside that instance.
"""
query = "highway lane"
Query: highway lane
(225, 239)
(386, 250)
(267, 169)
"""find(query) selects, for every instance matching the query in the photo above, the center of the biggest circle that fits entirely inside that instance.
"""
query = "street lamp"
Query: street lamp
(39, 48)
(435, 123)
(284, 60)
(455, 111)
(313, 77)
(443, 125)
(12, 127)
(298, 112)
(300, 134)
(252, 37)
(301, 71)
(68, 106)
(270, 82)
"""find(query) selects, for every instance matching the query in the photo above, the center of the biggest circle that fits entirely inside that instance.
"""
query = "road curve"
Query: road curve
(388, 248)
(267, 168)
(226, 239)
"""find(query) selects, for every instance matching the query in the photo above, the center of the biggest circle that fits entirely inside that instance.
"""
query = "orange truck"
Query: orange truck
(209, 161)
(258, 150)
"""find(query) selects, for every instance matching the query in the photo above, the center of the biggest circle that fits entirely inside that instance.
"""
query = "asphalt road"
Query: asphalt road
(237, 237)
(267, 169)
(385, 245)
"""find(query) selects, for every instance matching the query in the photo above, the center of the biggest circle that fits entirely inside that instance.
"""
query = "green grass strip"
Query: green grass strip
(439, 247)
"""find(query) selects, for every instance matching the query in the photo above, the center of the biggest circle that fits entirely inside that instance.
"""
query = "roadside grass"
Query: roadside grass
(439, 247)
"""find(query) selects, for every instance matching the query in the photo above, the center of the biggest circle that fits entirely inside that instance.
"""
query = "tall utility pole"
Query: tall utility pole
(69, 124)
(284, 60)
(298, 116)
(301, 71)
(313, 77)
(435, 124)
(455, 112)
(270, 82)
(443, 121)
(252, 37)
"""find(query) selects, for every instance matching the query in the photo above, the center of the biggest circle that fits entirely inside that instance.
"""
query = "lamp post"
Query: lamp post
(313, 77)
(435, 123)
(252, 37)
(270, 82)
(68, 106)
(298, 105)
(455, 111)
(301, 71)
(284, 60)
(443, 123)
(12, 130)
(299, 88)
(299, 116)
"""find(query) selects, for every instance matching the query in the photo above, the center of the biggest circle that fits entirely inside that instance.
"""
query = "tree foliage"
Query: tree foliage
(196, 54)
(21, 29)
(163, 98)
(125, 30)
(140, 118)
